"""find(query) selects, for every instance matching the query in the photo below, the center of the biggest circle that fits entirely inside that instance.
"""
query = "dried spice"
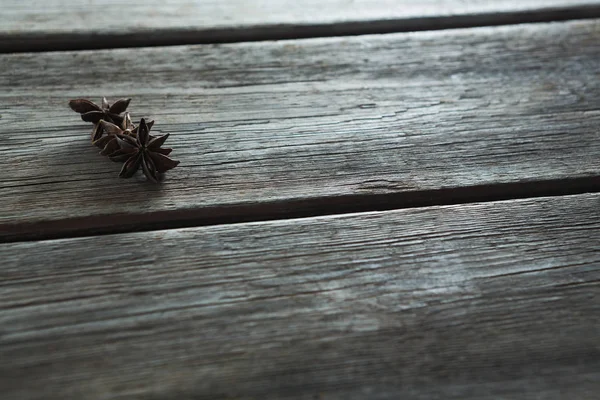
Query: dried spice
(143, 150)
(91, 112)
(108, 143)
(122, 141)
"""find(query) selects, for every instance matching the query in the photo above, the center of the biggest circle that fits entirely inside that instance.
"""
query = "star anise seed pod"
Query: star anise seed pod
(91, 112)
(143, 150)
(108, 143)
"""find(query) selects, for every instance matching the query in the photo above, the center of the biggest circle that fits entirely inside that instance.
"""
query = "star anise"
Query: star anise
(108, 143)
(91, 112)
(143, 150)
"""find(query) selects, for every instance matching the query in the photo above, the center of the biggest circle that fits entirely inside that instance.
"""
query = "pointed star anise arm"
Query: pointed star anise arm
(131, 166)
(162, 162)
(149, 168)
(119, 106)
(97, 132)
(83, 106)
(95, 116)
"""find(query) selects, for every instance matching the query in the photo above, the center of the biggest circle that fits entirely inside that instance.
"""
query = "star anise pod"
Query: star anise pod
(143, 150)
(91, 112)
(108, 143)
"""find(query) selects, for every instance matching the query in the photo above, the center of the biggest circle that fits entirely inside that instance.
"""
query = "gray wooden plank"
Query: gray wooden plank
(297, 125)
(490, 300)
(80, 24)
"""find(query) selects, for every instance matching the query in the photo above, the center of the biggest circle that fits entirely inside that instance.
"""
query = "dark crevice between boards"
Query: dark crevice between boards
(298, 208)
(36, 42)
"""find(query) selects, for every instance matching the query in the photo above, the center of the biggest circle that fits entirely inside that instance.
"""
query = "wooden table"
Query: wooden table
(399, 200)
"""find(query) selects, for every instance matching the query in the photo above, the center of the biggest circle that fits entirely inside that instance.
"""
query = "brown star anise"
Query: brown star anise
(143, 150)
(108, 143)
(91, 112)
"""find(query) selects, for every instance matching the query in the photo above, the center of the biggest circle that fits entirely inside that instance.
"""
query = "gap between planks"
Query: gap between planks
(51, 41)
(290, 209)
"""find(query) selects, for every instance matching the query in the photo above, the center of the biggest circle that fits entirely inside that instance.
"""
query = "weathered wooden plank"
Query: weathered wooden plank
(81, 24)
(490, 300)
(278, 127)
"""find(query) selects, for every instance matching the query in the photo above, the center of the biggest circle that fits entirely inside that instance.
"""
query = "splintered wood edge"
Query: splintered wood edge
(466, 301)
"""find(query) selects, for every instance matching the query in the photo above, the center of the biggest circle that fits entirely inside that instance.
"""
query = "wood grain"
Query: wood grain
(84, 24)
(494, 300)
(288, 127)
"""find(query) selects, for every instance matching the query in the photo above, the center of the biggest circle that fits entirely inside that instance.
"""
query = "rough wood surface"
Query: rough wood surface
(59, 24)
(311, 121)
(494, 300)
